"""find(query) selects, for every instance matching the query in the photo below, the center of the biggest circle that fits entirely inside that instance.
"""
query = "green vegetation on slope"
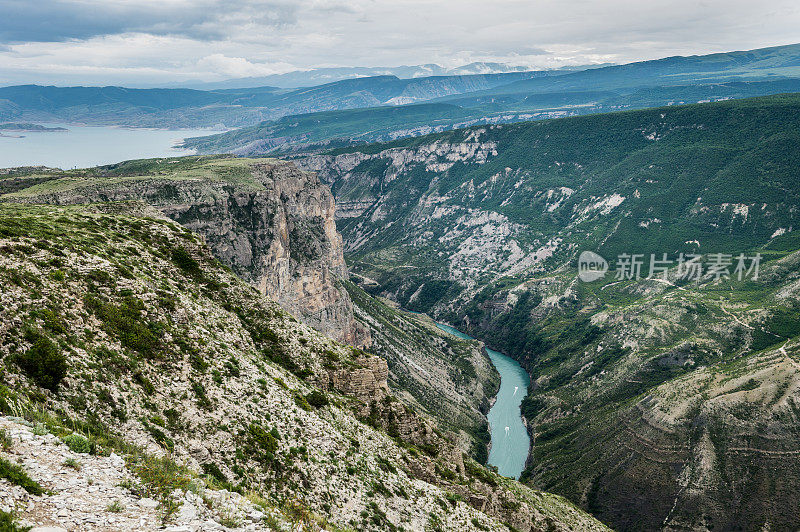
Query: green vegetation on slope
(638, 385)
(162, 340)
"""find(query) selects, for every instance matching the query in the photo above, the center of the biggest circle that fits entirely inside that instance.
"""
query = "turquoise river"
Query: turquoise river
(510, 440)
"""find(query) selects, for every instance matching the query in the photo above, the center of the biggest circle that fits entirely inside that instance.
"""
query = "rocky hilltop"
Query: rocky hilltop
(271, 223)
(656, 403)
(149, 386)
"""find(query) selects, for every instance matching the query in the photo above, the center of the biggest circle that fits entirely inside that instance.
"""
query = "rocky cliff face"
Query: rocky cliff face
(271, 223)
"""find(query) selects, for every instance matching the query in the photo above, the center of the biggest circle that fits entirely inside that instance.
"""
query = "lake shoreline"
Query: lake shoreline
(89, 146)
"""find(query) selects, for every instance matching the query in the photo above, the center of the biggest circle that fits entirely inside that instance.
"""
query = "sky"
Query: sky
(152, 42)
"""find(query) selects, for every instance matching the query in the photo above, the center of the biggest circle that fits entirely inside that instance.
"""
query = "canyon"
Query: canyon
(128, 334)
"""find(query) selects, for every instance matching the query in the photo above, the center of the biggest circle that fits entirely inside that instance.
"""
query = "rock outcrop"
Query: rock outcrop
(271, 223)
(366, 382)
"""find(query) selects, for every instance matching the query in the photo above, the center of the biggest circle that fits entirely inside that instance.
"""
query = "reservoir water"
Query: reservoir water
(85, 146)
(510, 440)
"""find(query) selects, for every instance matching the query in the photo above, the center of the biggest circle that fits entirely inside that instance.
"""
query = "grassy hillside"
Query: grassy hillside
(121, 333)
(648, 396)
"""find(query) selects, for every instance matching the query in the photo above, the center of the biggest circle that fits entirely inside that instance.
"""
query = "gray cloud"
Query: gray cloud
(60, 20)
(146, 42)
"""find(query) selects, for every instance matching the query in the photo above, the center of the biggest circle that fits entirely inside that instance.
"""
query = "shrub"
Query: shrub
(72, 464)
(482, 474)
(202, 399)
(302, 403)
(160, 476)
(5, 440)
(43, 362)
(477, 524)
(77, 443)
(17, 476)
(317, 399)
(211, 469)
(264, 440)
(126, 323)
(159, 436)
(185, 261)
(144, 382)
(8, 524)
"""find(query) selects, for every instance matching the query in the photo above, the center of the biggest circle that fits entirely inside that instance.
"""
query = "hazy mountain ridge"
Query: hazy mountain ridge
(317, 76)
(669, 81)
(232, 107)
(528, 95)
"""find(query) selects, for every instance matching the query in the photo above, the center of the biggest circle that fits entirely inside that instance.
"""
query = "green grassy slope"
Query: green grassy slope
(652, 401)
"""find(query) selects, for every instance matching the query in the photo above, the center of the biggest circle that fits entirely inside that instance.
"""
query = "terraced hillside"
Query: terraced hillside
(655, 402)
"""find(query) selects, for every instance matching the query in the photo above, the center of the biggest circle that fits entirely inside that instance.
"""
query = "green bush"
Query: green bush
(160, 476)
(8, 524)
(43, 362)
(125, 322)
(482, 474)
(185, 261)
(77, 443)
(263, 439)
(302, 403)
(202, 399)
(17, 476)
(211, 469)
(317, 399)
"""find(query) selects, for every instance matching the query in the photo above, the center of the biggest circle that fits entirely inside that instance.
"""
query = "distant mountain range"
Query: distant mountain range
(231, 107)
(669, 81)
(319, 76)
(471, 99)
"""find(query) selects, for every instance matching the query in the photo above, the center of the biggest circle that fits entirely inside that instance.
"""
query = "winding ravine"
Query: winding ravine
(510, 440)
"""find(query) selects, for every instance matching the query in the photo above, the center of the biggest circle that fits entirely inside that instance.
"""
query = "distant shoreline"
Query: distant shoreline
(17, 127)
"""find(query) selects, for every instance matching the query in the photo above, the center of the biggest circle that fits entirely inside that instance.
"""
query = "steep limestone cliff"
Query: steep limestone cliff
(271, 223)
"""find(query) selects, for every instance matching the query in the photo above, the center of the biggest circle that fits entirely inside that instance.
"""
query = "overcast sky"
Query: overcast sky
(147, 42)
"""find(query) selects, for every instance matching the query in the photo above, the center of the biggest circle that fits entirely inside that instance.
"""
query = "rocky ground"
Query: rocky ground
(93, 493)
